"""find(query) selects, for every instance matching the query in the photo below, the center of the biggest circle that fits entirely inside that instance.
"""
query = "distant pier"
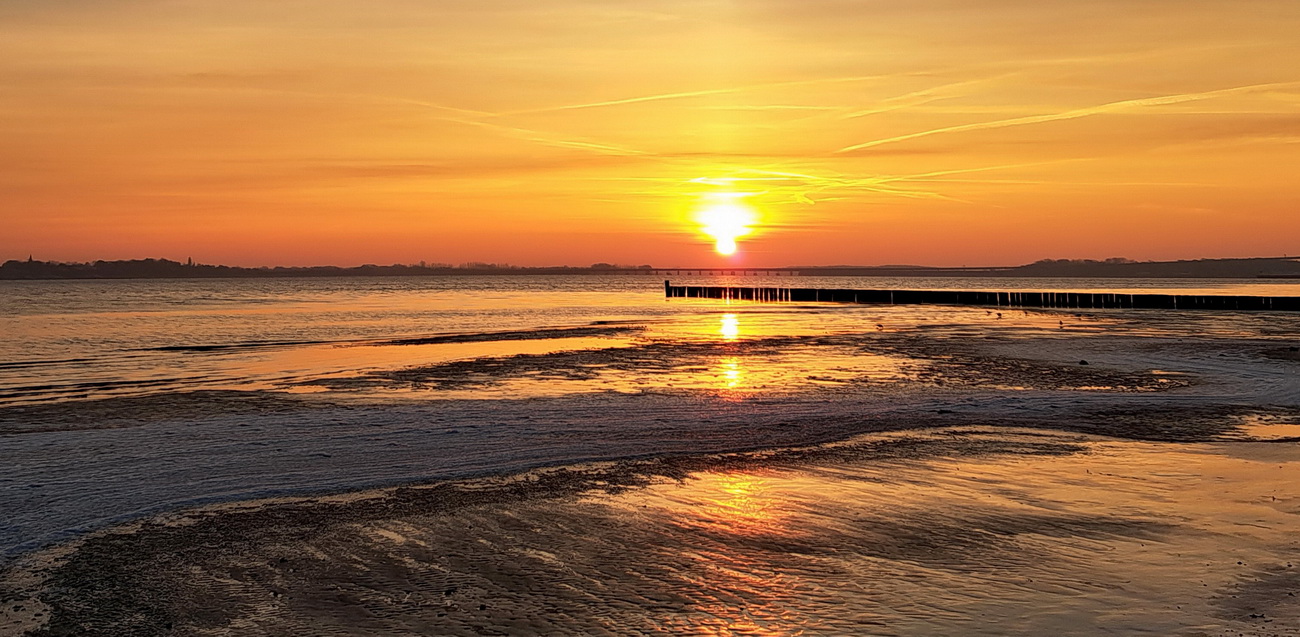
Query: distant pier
(1062, 300)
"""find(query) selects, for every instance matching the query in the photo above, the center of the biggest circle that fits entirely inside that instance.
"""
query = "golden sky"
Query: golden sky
(539, 132)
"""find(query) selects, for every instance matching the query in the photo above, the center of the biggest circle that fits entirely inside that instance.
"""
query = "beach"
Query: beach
(769, 318)
(638, 466)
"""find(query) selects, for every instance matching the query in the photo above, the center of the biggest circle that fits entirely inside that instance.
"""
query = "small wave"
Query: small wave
(43, 363)
(233, 346)
(98, 387)
(103, 384)
(602, 328)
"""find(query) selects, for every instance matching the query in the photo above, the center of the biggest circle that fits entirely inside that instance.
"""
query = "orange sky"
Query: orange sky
(941, 132)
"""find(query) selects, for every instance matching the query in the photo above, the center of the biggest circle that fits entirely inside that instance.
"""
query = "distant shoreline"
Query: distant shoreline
(1250, 268)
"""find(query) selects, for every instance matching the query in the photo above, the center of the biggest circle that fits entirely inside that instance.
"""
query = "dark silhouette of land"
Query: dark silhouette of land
(167, 269)
(1271, 267)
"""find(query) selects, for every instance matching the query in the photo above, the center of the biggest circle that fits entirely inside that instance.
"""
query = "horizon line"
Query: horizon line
(483, 265)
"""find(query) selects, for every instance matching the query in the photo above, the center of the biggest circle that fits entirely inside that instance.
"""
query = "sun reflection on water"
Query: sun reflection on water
(730, 328)
(732, 375)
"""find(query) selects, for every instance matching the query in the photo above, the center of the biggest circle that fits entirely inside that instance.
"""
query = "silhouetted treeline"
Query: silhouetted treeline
(167, 269)
(1280, 267)
(1200, 268)
(1269, 267)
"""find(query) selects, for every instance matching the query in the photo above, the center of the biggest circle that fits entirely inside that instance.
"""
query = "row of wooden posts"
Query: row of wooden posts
(1072, 300)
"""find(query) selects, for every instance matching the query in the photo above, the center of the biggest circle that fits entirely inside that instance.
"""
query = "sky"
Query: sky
(547, 132)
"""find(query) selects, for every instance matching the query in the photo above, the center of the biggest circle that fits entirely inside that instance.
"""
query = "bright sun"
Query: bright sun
(725, 222)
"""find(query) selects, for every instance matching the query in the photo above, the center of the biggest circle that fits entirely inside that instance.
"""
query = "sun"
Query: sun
(726, 221)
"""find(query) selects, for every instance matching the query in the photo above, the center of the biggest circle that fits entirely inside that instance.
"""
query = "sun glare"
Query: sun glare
(730, 327)
(726, 221)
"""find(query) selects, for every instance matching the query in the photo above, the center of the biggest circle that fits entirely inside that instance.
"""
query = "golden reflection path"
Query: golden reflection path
(739, 509)
(730, 373)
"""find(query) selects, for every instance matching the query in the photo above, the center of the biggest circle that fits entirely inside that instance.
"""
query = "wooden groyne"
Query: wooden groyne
(1069, 300)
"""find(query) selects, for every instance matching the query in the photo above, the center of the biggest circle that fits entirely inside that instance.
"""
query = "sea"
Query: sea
(91, 339)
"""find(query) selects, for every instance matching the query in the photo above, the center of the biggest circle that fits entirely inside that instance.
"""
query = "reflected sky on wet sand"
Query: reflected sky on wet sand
(1123, 538)
(1130, 537)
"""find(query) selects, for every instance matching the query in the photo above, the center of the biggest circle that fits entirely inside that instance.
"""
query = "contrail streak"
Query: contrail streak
(917, 98)
(701, 93)
(1073, 114)
(833, 80)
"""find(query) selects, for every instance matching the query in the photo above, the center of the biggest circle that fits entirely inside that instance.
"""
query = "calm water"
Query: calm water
(89, 339)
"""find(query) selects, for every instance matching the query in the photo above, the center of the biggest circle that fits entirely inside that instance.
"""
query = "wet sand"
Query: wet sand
(950, 531)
